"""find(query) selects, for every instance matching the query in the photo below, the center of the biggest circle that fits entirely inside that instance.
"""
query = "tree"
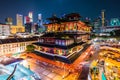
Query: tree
(30, 48)
(115, 33)
(112, 33)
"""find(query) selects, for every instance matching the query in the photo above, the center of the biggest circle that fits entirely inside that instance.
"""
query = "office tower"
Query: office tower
(19, 19)
(30, 15)
(103, 18)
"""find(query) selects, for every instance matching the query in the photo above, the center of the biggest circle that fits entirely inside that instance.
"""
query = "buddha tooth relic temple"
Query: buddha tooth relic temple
(64, 38)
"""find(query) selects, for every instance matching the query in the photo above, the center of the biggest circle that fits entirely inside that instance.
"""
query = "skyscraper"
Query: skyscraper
(28, 27)
(39, 16)
(114, 22)
(26, 19)
(30, 15)
(39, 27)
(28, 24)
(19, 19)
(9, 21)
(103, 18)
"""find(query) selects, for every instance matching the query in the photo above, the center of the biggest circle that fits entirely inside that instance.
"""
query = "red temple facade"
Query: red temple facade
(63, 37)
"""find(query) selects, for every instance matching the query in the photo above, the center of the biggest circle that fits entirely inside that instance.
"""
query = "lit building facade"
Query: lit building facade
(114, 22)
(30, 15)
(40, 27)
(110, 28)
(17, 29)
(14, 45)
(39, 16)
(74, 26)
(19, 19)
(9, 21)
(97, 25)
(26, 19)
(28, 27)
(36, 28)
(63, 37)
(4, 30)
(28, 24)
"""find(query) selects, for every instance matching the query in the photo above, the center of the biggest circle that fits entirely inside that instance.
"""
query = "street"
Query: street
(51, 70)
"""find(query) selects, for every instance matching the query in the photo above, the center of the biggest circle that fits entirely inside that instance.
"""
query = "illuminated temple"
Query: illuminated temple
(64, 38)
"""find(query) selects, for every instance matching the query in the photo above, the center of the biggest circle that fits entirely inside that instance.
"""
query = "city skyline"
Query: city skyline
(85, 8)
(59, 40)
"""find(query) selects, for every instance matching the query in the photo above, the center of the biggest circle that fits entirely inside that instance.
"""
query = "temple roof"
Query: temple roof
(65, 18)
(15, 40)
(61, 34)
(57, 46)
(73, 15)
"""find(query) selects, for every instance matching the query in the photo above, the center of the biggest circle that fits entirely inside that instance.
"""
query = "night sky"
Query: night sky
(86, 8)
